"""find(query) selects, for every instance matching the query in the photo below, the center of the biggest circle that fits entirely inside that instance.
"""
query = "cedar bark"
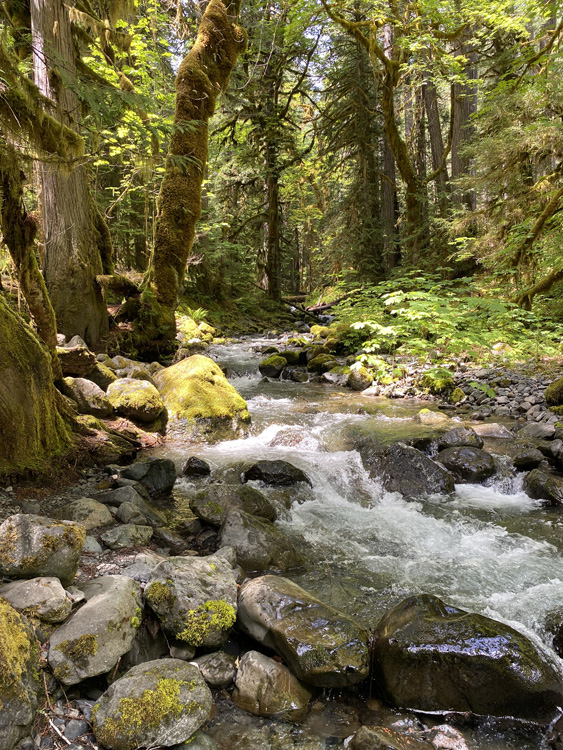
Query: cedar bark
(202, 75)
(72, 255)
(436, 147)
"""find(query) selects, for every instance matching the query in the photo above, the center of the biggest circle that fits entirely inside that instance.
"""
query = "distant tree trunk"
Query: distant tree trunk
(273, 257)
(202, 75)
(391, 250)
(72, 257)
(436, 147)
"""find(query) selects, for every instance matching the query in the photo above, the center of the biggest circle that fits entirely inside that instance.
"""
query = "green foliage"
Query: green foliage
(198, 314)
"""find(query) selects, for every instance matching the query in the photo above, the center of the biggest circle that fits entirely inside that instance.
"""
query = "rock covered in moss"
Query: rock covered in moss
(44, 598)
(359, 379)
(321, 645)
(272, 366)
(194, 598)
(213, 503)
(267, 688)
(102, 375)
(554, 393)
(77, 360)
(259, 545)
(322, 363)
(200, 400)
(88, 512)
(20, 676)
(99, 633)
(159, 703)
(32, 546)
(432, 656)
(138, 400)
(88, 396)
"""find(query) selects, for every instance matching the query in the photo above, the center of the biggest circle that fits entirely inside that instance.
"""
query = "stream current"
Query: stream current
(486, 548)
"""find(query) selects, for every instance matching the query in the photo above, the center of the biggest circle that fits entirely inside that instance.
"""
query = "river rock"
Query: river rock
(407, 470)
(120, 495)
(537, 431)
(429, 417)
(174, 542)
(137, 400)
(543, 486)
(100, 632)
(213, 503)
(493, 430)
(20, 676)
(102, 376)
(149, 644)
(32, 546)
(200, 400)
(277, 473)
(89, 397)
(196, 467)
(459, 437)
(386, 738)
(129, 513)
(468, 464)
(88, 512)
(160, 703)
(430, 656)
(217, 669)
(44, 598)
(129, 535)
(267, 688)
(76, 360)
(194, 598)
(259, 545)
(527, 459)
(272, 366)
(321, 645)
(359, 379)
(158, 475)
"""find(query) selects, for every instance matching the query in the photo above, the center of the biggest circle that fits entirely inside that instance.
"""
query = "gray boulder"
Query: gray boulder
(44, 598)
(493, 430)
(194, 598)
(537, 431)
(407, 470)
(217, 669)
(468, 464)
(89, 397)
(158, 475)
(157, 704)
(130, 513)
(459, 437)
(528, 459)
(213, 503)
(100, 632)
(128, 494)
(32, 546)
(321, 645)
(259, 545)
(543, 486)
(129, 535)
(276, 473)
(430, 656)
(88, 512)
(267, 688)
(20, 676)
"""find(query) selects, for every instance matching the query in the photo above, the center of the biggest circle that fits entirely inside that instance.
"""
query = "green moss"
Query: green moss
(437, 381)
(554, 393)
(147, 711)
(320, 332)
(207, 618)
(159, 595)
(315, 658)
(457, 396)
(79, 649)
(274, 360)
(16, 650)
(322, 363)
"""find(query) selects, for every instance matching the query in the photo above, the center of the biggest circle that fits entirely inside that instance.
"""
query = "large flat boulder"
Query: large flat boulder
(200, 400)
(321, 645)
(212, 503)
(430, 656)
(407, 470)
(44, 598)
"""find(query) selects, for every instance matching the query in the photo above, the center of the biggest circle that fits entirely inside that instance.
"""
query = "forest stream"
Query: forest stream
(487, 548)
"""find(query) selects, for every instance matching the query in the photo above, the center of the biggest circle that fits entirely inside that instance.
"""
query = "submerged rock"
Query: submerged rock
(431, 656)
(20, 676)
(321, 645)
(214, 502)
(267, 688)
(200, 400)
(32, 546)
(385, 738)
(276, 473)
(159, 703)
(99, 633)
(407, 470)
(468, 464)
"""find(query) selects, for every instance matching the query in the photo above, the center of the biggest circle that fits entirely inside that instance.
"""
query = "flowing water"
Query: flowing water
(488, 549)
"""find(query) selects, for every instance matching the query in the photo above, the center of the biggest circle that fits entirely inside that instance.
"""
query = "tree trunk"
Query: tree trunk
(391, 251)
(202, 75)
(436, 147)
(72, 253)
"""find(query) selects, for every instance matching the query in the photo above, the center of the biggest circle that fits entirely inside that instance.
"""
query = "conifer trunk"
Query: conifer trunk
(202, 75)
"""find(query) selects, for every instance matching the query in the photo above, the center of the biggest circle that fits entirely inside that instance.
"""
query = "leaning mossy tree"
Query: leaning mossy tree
(203, 75)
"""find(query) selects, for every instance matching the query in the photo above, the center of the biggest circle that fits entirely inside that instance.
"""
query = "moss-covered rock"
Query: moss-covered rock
(29, 412)
(138, 400)
(102, 375)
(554, 393)
(457, 395)
(272, 366)
(89, 397)
(200, 400)
(437, 381)
(322, 363)
(294, 356)
(359, 379)
(159, 703)
(320, 332)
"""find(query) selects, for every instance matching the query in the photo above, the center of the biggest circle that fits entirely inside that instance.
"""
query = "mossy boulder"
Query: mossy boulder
(138, 400)
(213, 503)
(31, 420)
(321, 645)
(157, 704)
(431, 656)
(41, 598)
(96, 636)
(320, 332)
(457, 395)
(20, 676)
(32, 546)
(89, 397)
(554, 393)
(359, 379)
(272, 366)
(200, 400)
(194, 598)
(294, 356)
(437, 381)
(322, 363)
(102, 376)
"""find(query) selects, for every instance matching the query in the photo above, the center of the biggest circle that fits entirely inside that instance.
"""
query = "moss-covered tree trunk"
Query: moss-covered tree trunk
(72, 257)
(31, 428)
(202, 75)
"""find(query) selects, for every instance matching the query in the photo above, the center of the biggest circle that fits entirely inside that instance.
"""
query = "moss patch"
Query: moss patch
(79, 649)
(207, 618)
(554, 393)
(159, 595)
(16, 651)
